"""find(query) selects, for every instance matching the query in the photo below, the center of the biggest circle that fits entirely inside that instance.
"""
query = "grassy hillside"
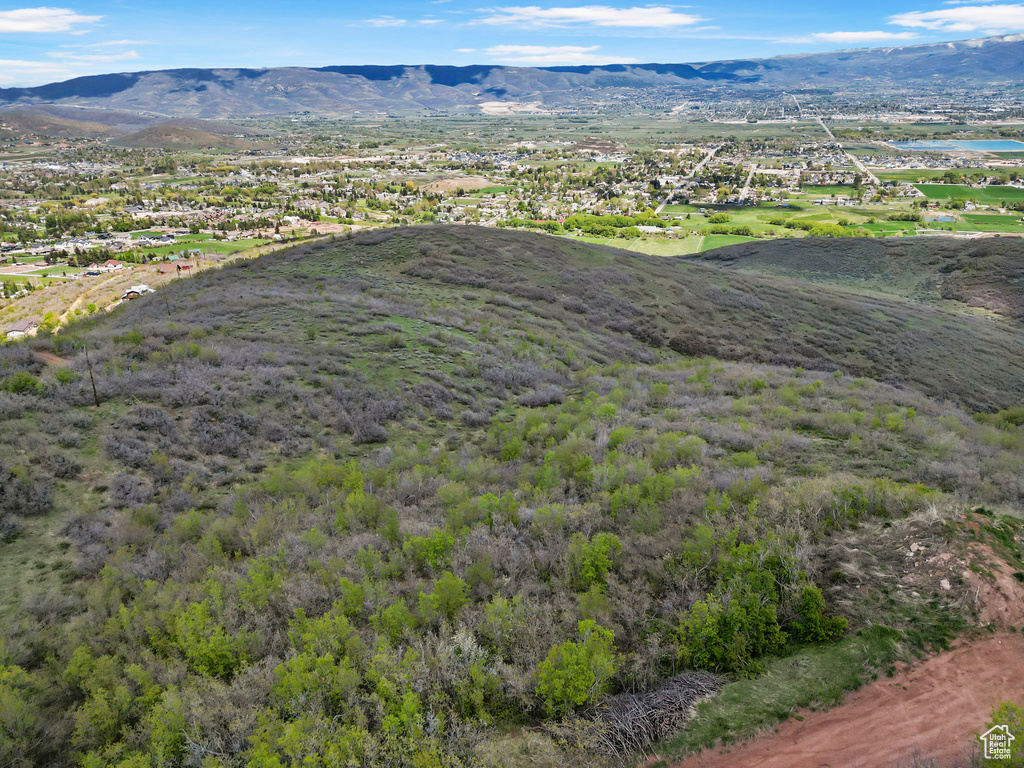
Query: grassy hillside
(986, 273)
(434, 497)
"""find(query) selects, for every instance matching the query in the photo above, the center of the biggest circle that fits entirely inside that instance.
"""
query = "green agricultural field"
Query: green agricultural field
(496, 190)
(926, 174)
(891, 227)
(711, 242)
(828, 190)
(30, 278)
(206, 246)
(1013, 228)
(989, 218)
(986, 196)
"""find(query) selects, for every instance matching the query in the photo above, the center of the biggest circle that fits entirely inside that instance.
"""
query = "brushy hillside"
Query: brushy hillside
(986, 273)
(33, 124)
(436, 497)
(178, 137)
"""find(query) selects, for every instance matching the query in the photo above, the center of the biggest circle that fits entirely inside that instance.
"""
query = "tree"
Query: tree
(576, 673)
(814, 626)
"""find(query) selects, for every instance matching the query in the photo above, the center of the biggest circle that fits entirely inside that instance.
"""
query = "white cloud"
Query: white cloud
(465, 50)
(23, 73)
(386, 21)
(43, 20)
(551, 55)
(94, 58)
(117, 43)
(33, 66)
(850, 37)
(532, 16)
(429, 21)
(965, 18)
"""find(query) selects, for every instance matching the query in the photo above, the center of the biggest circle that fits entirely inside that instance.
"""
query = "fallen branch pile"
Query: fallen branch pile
(633, 721)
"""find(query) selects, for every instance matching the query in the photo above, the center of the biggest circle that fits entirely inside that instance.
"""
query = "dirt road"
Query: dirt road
(930, 711)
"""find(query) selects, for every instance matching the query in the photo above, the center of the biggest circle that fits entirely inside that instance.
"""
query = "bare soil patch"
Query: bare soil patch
(458, 182)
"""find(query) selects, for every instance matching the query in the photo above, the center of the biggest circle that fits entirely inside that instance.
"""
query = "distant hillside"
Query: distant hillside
(25, 124)
(177, 137)
(369, 89)
(986, 273)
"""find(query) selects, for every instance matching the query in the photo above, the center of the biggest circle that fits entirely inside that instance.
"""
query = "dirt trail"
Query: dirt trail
(51, 359)
(81, 298)
(932, 710)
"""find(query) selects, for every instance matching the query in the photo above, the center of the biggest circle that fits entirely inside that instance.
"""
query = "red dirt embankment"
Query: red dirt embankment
(931, 711)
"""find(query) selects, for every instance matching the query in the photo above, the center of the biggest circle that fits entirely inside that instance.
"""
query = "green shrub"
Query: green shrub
(208, 646)
(449, 596)
(729, 633)
(813, 625)
(576, 673)
(22, 383)
(433, 551)
(591, 561)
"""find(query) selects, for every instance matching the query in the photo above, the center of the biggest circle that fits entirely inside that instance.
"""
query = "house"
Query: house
(135, 291)
(112, 264)
(22, 328)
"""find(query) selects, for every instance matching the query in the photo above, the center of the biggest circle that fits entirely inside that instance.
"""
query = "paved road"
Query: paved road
(746, 187)
(853, 158)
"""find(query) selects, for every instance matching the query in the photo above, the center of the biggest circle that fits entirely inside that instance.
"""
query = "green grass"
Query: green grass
(986, 196)
(891, 227)
(206, 246)
(718, 241)
(57, 272)
(827, 190)
(35, 278)
(812, 677)
(991, 218)
(495, 190)
(916, 174)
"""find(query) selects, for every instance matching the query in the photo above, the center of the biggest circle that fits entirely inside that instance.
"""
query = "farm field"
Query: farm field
(926, 174)
(986, 195)
(711, 242)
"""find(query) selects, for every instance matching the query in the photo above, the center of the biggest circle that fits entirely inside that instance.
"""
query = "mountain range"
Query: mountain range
(348, 90)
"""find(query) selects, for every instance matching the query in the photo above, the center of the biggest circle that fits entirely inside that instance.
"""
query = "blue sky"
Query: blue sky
(40, 44)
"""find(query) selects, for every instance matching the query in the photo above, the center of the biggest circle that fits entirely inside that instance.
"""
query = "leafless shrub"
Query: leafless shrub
(544, 395)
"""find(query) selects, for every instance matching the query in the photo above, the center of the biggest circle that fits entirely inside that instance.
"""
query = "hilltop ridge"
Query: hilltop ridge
(341, 90)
